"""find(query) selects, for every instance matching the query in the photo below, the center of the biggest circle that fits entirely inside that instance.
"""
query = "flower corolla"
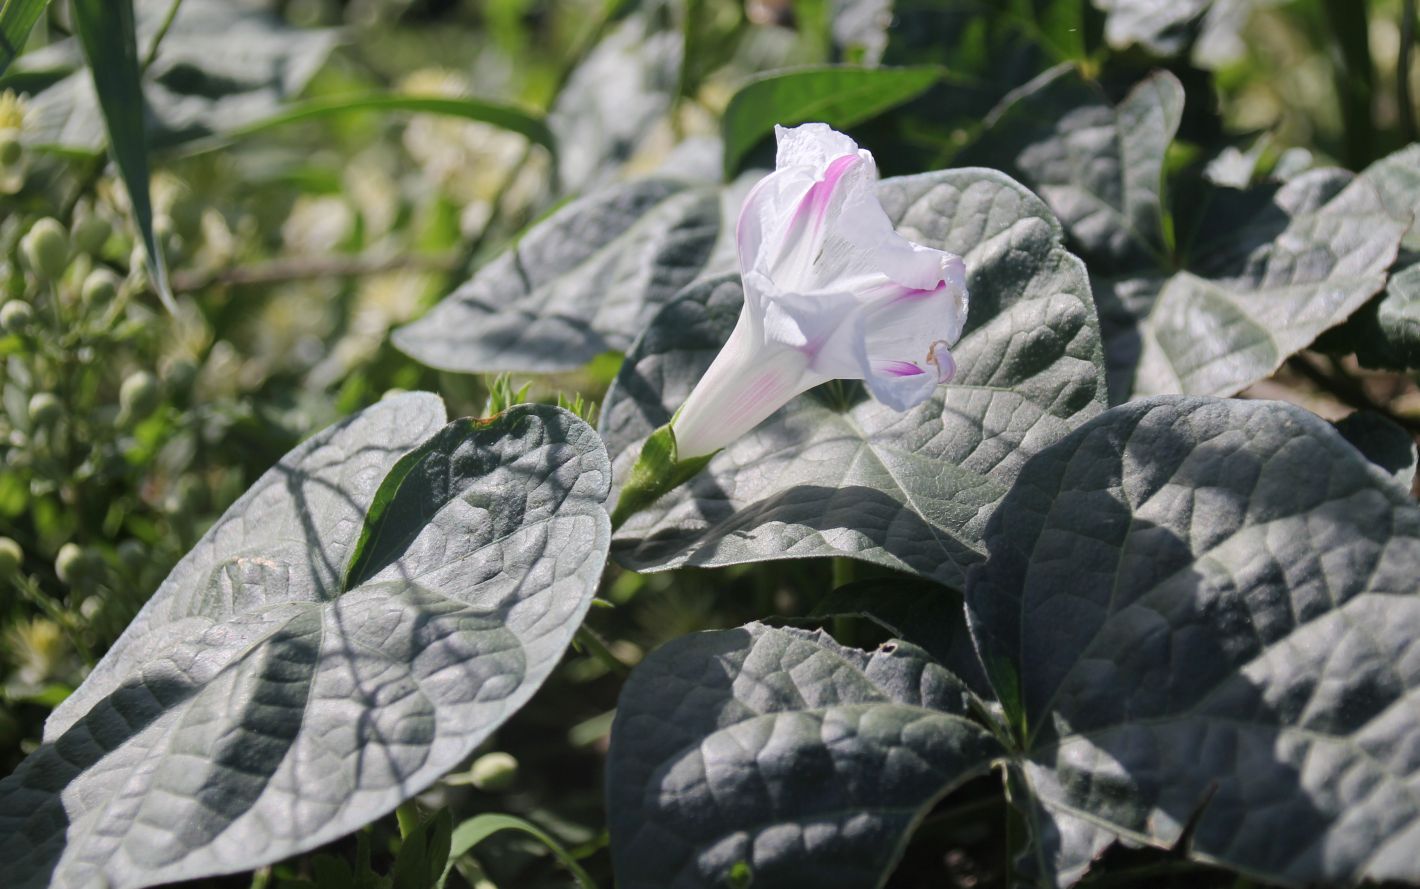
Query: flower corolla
(831, 292)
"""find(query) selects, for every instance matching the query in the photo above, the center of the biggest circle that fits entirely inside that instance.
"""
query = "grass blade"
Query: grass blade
(508, 117)
(109, 39)
(17, 18)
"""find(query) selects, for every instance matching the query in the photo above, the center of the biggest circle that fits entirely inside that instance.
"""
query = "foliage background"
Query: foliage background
(296, 247)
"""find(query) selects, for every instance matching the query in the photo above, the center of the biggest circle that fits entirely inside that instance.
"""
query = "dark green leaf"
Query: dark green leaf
(583, 282)
(990, 46)
(107, 33)
(1099, 167)
(838, 96)
(17, 18)
(1386, 331)
(1261, 285)
(255, 708)
(926, 614)
(332, 872)
(1383, 443)
(1202, 614)
(782, 753)
(835, 474)
(1268, 271)
(424, 853)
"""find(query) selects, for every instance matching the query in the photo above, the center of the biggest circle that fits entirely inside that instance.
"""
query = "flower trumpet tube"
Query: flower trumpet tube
(831, 292)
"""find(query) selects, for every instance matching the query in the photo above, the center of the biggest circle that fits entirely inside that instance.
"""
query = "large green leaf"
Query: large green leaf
(107, 33)
(776, 757)
(17, 18)
(1386, 331)
(839, 96)
(836, 474)
(1262, 284)
(1099, 167)
(1259, 274)
(924, 613)
(259, 706)
(222, 65)
(1383, 442)
(1202, 617)
(584, 281)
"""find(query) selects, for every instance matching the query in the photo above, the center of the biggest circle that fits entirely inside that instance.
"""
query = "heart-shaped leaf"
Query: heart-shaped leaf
(258, 706)
(1265, 285)
(1386, 331)
(776, 757)
(583, 282)
(1201, 616)
(834, 474)
(1267, 272)
(1099, 167)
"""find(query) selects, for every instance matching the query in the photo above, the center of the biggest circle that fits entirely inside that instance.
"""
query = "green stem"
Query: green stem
(658, 470)
(596, 646)
(162, 32)
(1355, 78)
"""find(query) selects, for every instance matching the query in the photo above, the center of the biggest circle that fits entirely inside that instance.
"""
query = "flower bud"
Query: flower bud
(493, 772)
(46, 248)
(180, 376)
(16, 316)
(72, 564)
(45, 409)
(139, 395)
(91, 233)
(100, 287)
(11, 557)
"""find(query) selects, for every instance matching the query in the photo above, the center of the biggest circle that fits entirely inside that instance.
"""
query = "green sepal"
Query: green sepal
(657, 472)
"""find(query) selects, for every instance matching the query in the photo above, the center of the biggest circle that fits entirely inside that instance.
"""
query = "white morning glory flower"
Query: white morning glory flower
(831, 292)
